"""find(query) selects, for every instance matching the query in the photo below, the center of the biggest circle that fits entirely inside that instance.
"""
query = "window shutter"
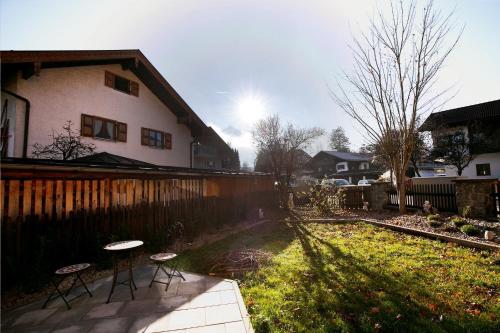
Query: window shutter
(168, 141)
(144, 136)
(109, 79)
(87, 126)
(121, 132)
(134, 88)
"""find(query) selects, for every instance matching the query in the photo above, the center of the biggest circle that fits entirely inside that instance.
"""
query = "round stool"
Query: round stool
(63, 273)
(161, 259)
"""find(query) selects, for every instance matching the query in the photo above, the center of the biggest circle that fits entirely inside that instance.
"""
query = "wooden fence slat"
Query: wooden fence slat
(27, 192)
(123, 192)
(151, 189)
(115, 195)
(69, 197)
(49, 198)
(130, 192)
(2, 198)
(38, 197)
(95, 194)
(102, 193)
(107, 194)
(86, 195)
(78, 195)
(138, 191)
(13, 198)
(59, 198)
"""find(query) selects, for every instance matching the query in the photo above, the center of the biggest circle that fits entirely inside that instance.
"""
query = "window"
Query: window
(364, 166)
(121, 84)
(157, 139)
(483, 169)
(342, 166)
(101, 128)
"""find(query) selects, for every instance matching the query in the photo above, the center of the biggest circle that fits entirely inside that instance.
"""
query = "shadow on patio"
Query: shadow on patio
(199, 304)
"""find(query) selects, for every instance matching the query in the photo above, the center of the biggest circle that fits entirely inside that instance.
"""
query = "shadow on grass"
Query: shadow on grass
(351, 295)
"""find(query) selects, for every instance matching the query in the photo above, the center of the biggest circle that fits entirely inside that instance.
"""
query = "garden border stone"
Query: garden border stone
(417, 232)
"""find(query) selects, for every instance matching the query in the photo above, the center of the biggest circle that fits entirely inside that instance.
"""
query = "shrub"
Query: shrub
(458, 222)
(327, 199)
(433, 217)
(466, 211)
(470, 230)
(435, 224)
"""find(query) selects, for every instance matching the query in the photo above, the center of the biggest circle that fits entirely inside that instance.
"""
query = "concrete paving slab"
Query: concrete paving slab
(208, 329)
(223, 314)
(104, 310)
(227, 296)
(113, 325)
(205, 299)
(235, 327)
(33, 318)
(167, 304)
(138, 307)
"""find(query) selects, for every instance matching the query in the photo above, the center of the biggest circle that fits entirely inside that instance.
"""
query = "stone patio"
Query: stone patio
(199, 304)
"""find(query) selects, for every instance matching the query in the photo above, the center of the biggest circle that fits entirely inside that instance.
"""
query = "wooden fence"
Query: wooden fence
(441, 196)
(58, 198)
(50, 219)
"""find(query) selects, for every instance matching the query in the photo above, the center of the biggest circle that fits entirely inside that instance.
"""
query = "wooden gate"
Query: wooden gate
(441, 196)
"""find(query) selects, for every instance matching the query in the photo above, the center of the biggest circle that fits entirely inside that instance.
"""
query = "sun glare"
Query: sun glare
(251, 108)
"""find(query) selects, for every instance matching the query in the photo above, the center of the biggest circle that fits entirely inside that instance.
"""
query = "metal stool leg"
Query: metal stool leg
(115, 274)
(130, 281)
(56, 289)
(83, 284)
(154, 276)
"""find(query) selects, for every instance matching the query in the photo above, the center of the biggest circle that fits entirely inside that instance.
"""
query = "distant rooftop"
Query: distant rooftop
(347, 156)
(462, 115)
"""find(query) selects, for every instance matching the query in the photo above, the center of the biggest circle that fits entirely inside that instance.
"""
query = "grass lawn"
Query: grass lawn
(360, 278)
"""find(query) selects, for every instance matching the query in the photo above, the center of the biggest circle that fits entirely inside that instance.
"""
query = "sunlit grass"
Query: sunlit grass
(356, 277)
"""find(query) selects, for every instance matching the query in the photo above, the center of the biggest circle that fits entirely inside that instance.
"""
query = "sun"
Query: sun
(251, 108)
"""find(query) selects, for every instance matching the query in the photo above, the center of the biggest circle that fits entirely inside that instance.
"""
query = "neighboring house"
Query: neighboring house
(481, 124)
(212, 152)
(345, 165)
(117, 99)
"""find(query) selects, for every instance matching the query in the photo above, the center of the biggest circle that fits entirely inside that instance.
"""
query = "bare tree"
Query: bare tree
(282, 146)
(338, 140)
(454, 149)
(64, 146)
(396, 65)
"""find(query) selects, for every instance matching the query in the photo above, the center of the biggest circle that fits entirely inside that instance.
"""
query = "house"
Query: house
(480, 123)
(212, 152)
(345, 165)
(116, 99)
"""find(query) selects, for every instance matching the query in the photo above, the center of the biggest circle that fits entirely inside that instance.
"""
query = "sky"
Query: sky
(235, 62)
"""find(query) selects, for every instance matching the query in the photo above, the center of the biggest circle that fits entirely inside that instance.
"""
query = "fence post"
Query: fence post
(477, 194)
(378, 195)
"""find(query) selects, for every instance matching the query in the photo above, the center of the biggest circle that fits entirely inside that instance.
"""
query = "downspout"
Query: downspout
(26, 120)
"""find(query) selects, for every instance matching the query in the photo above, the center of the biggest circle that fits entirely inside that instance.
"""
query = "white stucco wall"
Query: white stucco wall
(62, 94)
(470, 171)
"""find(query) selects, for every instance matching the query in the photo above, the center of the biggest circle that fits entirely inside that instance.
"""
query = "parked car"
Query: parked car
(334, 182)
(366, 182)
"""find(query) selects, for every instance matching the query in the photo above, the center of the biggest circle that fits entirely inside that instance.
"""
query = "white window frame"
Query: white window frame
(344, 164)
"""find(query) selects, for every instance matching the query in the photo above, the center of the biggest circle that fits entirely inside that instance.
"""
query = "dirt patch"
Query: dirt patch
(235, 263)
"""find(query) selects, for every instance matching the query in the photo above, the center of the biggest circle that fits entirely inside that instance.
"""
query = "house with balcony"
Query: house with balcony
(116, 99)
(352, 167)
(212, 152)
(480, 124)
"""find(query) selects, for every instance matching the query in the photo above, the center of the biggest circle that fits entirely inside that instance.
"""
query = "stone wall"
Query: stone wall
(378, 195)
(476, 193)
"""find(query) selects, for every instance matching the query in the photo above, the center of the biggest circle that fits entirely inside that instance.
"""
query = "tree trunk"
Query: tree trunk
(402, 197)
